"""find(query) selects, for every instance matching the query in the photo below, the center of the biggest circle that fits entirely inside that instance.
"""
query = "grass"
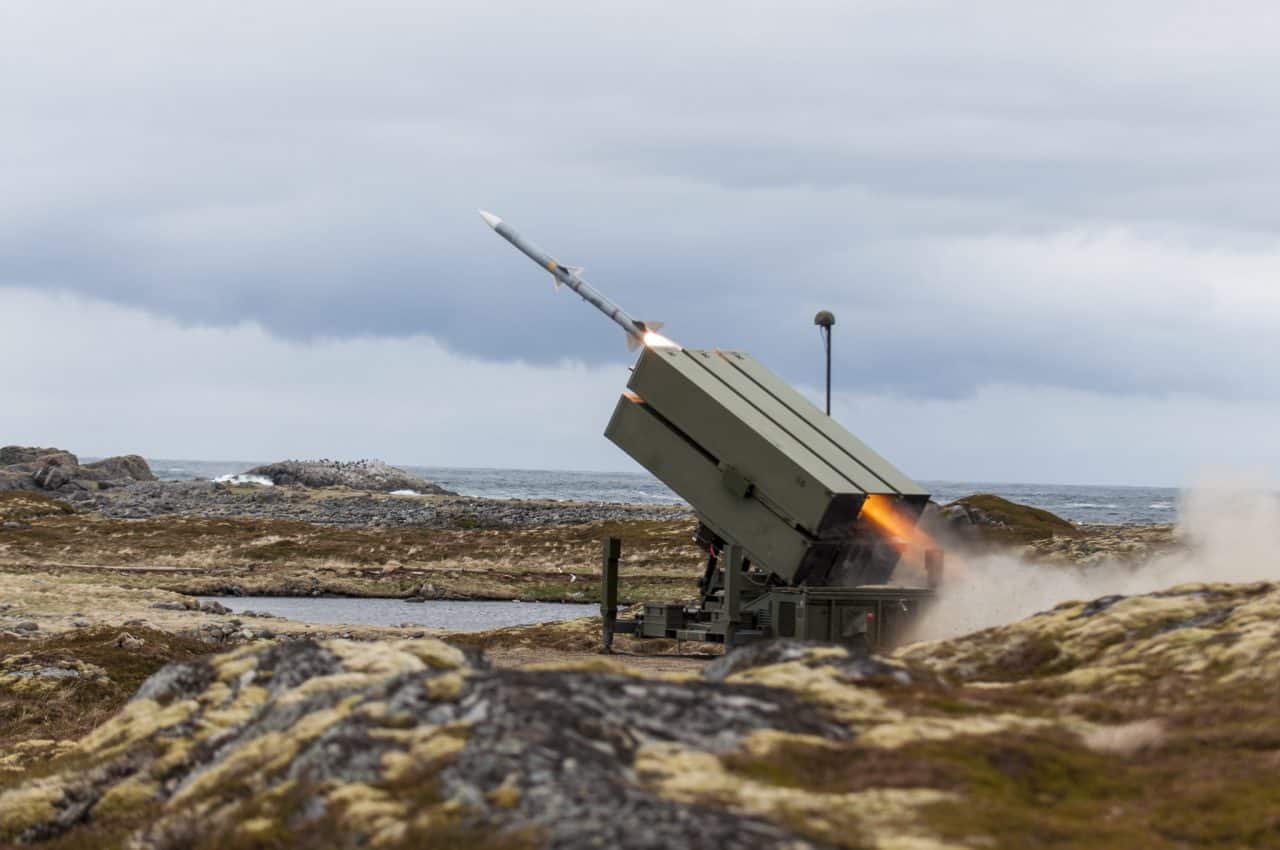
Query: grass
(838, 768)
(62, 709)
(23, 506)
(1066, 796)
(283, 557)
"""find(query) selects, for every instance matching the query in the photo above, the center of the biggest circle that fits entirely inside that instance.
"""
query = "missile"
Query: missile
(571, 276)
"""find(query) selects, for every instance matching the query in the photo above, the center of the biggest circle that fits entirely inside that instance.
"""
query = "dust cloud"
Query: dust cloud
(1226, 531)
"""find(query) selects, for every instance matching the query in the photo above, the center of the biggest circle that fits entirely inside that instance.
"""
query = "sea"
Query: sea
(1081, 503)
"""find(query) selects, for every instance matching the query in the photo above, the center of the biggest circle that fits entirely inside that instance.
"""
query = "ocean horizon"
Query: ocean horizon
(1080, 503)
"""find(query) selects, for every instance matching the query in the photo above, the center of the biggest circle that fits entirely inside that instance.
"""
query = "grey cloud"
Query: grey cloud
(315, 168)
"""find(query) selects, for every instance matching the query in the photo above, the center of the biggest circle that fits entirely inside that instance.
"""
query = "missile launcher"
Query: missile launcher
(782, 484)
(803, 524)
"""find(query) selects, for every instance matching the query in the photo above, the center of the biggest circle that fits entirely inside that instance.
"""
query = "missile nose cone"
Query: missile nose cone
(490, 219)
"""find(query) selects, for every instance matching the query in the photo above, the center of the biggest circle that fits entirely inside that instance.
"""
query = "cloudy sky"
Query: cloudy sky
(247, 230)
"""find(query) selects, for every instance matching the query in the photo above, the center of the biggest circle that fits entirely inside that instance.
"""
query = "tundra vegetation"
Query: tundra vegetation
(467, 555)
(1117, 722)
(131, 716)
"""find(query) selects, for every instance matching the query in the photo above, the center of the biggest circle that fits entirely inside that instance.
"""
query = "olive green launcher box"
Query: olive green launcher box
(762, 466)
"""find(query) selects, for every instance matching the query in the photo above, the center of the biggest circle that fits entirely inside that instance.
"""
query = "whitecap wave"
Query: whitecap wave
(244, 478)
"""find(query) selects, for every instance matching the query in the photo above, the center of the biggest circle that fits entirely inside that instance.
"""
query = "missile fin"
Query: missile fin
(633, 342)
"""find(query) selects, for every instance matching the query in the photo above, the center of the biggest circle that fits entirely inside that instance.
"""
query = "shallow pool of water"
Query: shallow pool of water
(434, 614)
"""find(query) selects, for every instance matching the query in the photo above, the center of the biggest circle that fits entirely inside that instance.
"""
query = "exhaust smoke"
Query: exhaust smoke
(1228, 531)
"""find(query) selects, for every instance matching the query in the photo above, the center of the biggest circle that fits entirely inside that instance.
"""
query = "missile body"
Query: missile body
(570, 276)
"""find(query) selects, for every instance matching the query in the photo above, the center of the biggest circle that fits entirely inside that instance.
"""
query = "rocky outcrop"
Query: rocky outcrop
(355, 475)
(54, 472)
(14, 455)
(121, 468)
(985, 518)
(1118, 722)
(30, 468)
(408, 744)
(27, 468)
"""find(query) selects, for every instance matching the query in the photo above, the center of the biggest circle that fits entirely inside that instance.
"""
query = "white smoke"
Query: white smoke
(1228, 531)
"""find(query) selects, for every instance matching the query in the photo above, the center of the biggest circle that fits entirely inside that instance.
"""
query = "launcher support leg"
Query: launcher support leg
(733, 579)
(609, 590)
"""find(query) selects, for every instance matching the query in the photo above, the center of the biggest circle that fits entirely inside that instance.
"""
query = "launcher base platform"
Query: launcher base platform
(865, 617)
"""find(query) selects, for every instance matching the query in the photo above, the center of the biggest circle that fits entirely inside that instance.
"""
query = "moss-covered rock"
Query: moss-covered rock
(1121, 721)
(987, 518)
(397, 744)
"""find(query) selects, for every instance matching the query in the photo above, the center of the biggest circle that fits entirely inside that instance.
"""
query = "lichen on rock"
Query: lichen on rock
(389, 740)
(1132, 721)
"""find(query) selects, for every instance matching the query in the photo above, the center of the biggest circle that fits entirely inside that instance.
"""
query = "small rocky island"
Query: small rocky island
(373, 475)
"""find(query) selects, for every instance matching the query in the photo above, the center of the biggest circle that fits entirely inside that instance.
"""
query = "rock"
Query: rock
(852, 667)
(170, 605)
(985, 518)
(57, 457)
(26, 626)
(13, 455)
(211, 607)
(124, 640)
(51, 476)
(119, 468)
(15, 479)
(356, 475)
(57, 673)
(330, 744)
(80, 623)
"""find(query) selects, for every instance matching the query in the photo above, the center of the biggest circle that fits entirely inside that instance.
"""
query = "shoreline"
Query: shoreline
(208, 539)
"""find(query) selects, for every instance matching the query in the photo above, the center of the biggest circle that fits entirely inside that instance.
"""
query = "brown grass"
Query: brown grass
(68, 708)
(283, 557)
(21, 506)
(1056, 789)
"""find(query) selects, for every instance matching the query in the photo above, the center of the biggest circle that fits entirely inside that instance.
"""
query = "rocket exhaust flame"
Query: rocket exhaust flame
(883, 513)
(653, 339)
